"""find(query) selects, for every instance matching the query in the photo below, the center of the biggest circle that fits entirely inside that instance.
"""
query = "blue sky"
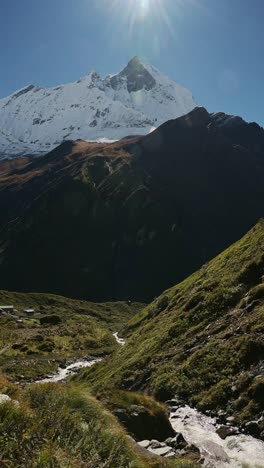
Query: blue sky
(213, 47)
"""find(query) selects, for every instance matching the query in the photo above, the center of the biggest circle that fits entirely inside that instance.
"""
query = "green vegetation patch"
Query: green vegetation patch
(60, 329)
(62, 425)
(198, 338)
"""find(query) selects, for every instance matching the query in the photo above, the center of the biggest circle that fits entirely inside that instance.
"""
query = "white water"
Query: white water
(121, 341)
(71, 369)
(235, 451)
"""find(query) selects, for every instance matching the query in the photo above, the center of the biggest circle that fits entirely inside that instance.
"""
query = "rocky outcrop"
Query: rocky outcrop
(141, 423)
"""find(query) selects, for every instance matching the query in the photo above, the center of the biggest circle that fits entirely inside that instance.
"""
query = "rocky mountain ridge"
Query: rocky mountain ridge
(127, 220)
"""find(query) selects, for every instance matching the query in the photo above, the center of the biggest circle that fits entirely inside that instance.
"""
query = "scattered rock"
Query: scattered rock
(221, 416)
(162, 451)
(252, 428)
(177, 442)
(171, 402)
(4, 398)
(156, 444)
(176, 402)
(226, 431)
(144, 443)
(230, 420)
(169, 440)
(171, 454)
(174, 408)
(192, 448)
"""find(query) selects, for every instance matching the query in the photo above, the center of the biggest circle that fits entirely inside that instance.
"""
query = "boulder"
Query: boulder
(252, 428)
(154, 444)
(177, 442)
(226, 431)
(162, 451)
(221, 416)
(143, 424)
(192, 448)
(230, 420)
(144, 443)
(4, 398)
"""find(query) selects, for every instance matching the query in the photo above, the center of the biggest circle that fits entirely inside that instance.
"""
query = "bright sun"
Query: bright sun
(138, 10)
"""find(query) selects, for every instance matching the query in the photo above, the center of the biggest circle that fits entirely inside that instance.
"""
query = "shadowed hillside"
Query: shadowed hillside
(129, 219)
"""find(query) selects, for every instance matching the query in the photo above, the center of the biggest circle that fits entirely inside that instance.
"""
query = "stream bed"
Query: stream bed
(65, 372)
(199, 430)
(235, 451)
(72, 368)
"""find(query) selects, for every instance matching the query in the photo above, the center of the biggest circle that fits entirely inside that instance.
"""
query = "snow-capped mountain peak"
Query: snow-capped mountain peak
(35, 119)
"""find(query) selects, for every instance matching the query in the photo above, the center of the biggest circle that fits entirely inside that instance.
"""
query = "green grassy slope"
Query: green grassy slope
(30, 348)
(113, 314)
(202, 339)
(62, 425)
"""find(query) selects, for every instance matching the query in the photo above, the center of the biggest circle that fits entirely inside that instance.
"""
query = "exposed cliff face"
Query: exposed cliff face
(139, 98)
(129, 219)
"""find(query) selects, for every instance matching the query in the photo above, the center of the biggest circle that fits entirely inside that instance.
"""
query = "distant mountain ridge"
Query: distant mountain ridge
(34, 120)
(127, 220)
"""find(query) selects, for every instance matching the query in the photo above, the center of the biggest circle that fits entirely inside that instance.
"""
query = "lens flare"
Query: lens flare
(137, 9)
(144, 26)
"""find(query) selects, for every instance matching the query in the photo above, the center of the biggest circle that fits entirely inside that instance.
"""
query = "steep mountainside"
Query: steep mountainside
(202, 339)
(129, 219)
(34, 120)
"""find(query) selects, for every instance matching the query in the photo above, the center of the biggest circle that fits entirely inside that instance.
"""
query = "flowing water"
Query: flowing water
(71, 369)
(234, 452)
(121, 341)
(238, 451)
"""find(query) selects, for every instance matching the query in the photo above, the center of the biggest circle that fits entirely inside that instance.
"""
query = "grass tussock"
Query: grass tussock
(57, 425)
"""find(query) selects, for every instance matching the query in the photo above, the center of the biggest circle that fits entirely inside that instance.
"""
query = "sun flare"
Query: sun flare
(135, 11)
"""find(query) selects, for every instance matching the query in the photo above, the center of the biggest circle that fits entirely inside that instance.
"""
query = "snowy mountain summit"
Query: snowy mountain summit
(34, 120)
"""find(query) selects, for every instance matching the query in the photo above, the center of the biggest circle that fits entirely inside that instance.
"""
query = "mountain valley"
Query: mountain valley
(131, 278)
